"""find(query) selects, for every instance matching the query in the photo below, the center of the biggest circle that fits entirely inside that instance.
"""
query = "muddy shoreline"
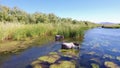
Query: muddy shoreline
(17, 46)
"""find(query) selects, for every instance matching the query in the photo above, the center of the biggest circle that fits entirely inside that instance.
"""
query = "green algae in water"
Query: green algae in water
(52, 53)
(95, 65)
(37, 66)
(63, 64)
(52, 57)
(110, 64)
(49, 59)
(69, 52)
(35, 62)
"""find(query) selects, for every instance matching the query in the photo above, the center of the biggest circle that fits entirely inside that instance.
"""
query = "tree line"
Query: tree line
(17, 15)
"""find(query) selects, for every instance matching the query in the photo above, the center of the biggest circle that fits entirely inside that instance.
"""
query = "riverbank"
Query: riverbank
(111, 26)
(11, 46)
(15, 37)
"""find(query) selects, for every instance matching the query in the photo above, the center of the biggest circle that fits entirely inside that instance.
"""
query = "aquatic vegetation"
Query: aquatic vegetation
(69, 52)
(110, 64)
(35, 62)
(23, 32)
(63, 64)
(15, 31)
(52, 60)
(95, 65)
(49, 58)
(52, 53)
(37, 66)
(45, 61)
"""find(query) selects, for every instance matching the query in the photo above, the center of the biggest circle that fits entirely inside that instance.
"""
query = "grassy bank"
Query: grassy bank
(15, 46)
(111, 26)
(15, 31)
(14, 36)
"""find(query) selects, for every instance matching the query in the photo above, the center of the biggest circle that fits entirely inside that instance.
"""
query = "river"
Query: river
(99, 45)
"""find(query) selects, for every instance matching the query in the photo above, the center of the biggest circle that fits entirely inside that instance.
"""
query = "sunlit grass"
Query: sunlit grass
(16, 31)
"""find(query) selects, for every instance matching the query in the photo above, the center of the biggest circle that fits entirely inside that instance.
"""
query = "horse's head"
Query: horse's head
(76, 44)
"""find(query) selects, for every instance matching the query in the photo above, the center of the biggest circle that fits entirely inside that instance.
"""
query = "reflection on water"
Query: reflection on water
(100, 45)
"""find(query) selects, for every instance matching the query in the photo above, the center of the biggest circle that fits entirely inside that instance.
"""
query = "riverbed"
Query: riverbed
(98, 46)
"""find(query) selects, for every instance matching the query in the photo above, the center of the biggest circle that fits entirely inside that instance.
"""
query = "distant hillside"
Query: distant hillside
(107, 23)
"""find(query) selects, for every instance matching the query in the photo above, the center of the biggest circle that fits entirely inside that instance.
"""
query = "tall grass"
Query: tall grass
(15, 31)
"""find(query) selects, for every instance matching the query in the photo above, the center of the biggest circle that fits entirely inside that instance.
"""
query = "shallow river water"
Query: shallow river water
(99, 45)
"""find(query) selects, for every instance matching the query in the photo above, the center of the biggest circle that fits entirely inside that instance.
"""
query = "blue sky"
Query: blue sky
(91, 10)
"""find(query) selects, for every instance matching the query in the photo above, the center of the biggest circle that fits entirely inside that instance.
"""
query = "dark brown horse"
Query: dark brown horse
(59, 37)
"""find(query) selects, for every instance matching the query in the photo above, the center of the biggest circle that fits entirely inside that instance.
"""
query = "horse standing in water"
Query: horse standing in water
(65, 45)
(59, 37)
(70, 45)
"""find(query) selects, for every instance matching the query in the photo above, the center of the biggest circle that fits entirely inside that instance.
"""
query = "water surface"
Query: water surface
(99, 45)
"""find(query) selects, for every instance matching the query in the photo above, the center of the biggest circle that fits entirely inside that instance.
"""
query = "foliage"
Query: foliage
(16, 31)
(16, 24)
(15, 14)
